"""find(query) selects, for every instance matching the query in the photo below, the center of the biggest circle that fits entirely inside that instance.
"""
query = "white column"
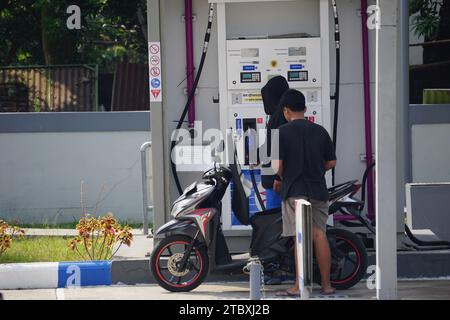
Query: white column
(159, 156)
(387, 119)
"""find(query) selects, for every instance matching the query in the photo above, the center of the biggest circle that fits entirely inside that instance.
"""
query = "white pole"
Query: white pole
(303, 221)
(387, 146)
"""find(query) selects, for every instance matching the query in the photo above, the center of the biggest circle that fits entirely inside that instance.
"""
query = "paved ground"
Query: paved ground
(140, 248)
(415, 290)
(142, 245)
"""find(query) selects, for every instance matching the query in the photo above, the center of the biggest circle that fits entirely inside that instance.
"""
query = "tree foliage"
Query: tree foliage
(35, 32)
(431, 19)
(426, 17)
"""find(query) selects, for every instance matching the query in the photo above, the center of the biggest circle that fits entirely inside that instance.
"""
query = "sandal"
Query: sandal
(323, 293)
(287, 293)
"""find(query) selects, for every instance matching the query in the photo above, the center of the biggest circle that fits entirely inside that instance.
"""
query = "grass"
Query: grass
(39, 249)
(46, 248)
(68, 225)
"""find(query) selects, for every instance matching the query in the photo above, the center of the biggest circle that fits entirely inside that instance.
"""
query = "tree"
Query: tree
(21, 34)
(114, 33)
(59, 44)
(431, 19)
(36, 32)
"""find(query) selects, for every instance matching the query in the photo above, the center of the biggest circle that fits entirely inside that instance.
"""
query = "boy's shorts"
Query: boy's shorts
(319, 215)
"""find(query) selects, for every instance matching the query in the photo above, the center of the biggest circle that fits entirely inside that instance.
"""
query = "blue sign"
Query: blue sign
(297, 66)
(249, 68)
(299, 238)
(156, 83)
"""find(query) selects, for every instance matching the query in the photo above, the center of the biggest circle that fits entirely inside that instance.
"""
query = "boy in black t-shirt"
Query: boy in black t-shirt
(306, 153)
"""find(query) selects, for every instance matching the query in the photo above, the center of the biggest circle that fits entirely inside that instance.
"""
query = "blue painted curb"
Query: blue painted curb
(89, 273)
(52, 275)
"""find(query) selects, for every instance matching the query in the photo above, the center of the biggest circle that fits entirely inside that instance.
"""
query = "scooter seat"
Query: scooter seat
(268, 212)
(341, 189)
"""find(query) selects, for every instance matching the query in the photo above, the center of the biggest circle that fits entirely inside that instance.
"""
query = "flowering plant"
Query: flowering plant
(100, 238)
(7, 234)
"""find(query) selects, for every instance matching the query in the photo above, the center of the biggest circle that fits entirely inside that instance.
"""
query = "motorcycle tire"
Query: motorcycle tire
(178, 286)
(354, 243)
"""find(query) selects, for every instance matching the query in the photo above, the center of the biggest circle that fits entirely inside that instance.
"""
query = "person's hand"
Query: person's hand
(277, 186)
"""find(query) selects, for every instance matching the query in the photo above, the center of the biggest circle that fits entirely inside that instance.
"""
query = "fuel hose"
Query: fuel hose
(337, 40)
(256, 189)
(191, 95)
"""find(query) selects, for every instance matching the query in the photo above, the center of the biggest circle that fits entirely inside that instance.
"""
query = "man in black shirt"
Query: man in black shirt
(306, 153)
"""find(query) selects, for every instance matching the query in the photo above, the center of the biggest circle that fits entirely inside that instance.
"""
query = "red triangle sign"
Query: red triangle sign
(156, 93)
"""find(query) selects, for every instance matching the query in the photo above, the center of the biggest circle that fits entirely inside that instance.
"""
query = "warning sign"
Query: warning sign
(154, 60)
(155, 72)
(251, 98)
(154, 49)
(156, 93)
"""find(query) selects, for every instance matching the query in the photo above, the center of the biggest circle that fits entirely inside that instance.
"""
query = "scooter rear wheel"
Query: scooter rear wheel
(349, 259)
(165, 259)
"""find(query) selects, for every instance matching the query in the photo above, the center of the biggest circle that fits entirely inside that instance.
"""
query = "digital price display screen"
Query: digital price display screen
(298, 76)
(250, 77)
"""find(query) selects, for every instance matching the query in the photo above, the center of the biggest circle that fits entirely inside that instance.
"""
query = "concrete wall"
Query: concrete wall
(270, 18)
(435, 168)
(430, 132)
(44, 158)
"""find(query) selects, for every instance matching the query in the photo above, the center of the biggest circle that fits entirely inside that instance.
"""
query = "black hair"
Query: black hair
(293, 100)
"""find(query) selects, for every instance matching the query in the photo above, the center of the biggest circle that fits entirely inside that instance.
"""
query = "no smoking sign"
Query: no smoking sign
(154, 48)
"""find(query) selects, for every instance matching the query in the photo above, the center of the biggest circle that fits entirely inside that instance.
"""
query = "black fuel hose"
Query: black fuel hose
(428, 248)
(191, 95)
(424, 243)
(337, 40)
(255, 188)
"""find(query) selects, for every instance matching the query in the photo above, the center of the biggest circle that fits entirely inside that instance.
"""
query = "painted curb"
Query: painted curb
(41, 275)
(95, 273)
(52, 275)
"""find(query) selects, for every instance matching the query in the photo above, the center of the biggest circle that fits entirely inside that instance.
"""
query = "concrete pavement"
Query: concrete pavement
(411, 290)
(140, 248)
(131, 264)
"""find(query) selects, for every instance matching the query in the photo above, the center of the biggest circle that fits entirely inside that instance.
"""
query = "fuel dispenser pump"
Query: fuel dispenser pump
(246, 64)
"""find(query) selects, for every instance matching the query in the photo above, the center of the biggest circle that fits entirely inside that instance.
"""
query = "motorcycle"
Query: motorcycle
(195, 244)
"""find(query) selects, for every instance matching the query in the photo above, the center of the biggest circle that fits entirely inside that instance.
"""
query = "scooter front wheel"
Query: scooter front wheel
(165, 264)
